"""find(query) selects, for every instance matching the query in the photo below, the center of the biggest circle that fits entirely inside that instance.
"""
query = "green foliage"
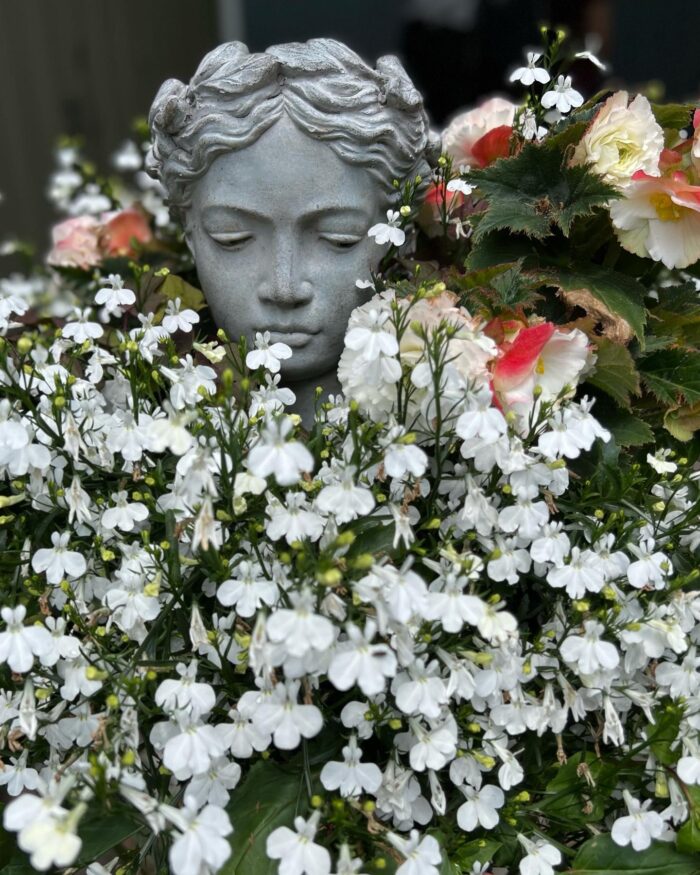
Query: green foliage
(601, 856)
(614, 372)
(535, 192)
(672, 375)
(269, 797)
(580, 790)
(627, 430)
(674, 116)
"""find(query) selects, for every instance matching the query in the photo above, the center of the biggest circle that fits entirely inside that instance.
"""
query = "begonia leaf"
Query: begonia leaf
(614, 371)
(672, 374)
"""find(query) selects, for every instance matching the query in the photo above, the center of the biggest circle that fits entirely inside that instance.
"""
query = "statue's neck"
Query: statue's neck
(305, 391)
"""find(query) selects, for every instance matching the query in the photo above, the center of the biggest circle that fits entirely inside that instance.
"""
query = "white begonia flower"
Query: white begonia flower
(562, 96)
(202, 846)
(389, 231)
(114, 296)
(296, 850)
(124, 514)
(285, 719)
(423, 856)
(358, 661)
(621, 140)
(651, 568)
(267, 355)
(588, 653)
(185, 694)
(19, 644)
(352, 777)
(540, 857)
(639, 827)
(294, 520)
(82, 329)
(300, 628)
(58, 561)
(481, 807)
(275, 455)
(345, 499)
(532, 73)
(176, 319)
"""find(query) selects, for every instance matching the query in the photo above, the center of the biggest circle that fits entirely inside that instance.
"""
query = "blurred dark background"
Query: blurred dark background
(84, 67)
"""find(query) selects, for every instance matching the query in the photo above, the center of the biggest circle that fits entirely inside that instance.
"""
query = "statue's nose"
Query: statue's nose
(287, 286)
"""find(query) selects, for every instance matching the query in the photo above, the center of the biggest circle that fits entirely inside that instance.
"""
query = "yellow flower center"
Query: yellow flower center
(539, 367)
(665, 208)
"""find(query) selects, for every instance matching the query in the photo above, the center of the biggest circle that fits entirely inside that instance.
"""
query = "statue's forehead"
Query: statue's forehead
(289, 169)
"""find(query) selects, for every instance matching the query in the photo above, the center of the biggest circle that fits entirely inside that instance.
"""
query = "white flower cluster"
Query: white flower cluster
(193, 587)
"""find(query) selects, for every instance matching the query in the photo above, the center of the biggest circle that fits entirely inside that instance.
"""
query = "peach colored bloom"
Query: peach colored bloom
(481, 135)
(75, 243)
(540, 356)
(120, 229)
(659, 218)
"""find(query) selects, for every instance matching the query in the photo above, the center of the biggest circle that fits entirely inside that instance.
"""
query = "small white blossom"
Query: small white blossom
(389, 231)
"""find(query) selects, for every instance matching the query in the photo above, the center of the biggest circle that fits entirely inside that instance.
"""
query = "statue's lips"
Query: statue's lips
(294, 338)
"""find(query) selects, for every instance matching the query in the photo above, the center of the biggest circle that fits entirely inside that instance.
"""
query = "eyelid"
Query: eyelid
(230, 238)
(347, 239)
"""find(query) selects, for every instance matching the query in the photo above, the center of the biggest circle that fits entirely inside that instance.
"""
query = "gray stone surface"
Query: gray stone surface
(278, 163)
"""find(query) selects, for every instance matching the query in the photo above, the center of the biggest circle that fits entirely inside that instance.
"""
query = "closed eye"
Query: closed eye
(232, 239)
(341, 241)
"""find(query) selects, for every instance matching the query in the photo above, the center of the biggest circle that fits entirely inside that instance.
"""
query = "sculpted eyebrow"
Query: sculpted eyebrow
(224, 211)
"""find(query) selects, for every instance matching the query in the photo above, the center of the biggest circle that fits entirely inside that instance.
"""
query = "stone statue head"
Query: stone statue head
(277, 164)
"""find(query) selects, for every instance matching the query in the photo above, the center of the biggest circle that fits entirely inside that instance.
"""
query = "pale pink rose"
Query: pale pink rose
(539, 356)
(120, 229)
(659, 218)
(75, 243)
(481, 135)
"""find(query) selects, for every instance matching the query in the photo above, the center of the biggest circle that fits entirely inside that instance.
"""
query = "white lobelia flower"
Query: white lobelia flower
(82, 328)
(176, 319)
(191, 746)
(114, 296)
(651, 568)
(170, 432)
(540, 857)
(19, 644)
(688, 769)
(639, 827)
(481, 807)
(296, 850)
(389, 231)
(434, 747)
(243, 737)
(124, 514)
(681, 680)
(562, 96)
(300, 628)
(358, 661)
(247, 589)
(345, 499)
(421, 690)
(481, 419)
(267, 355)
(508, 561)
(294, 520)
(212, 787)
(372, 334)
(285, 719)
(423, 856)
(16, 776)
(274, 454)
(347, 864)
(185, 694)
(447, 603)
(352, 777)
(58, 561)
(202, 846)
(532, 73)
(583, 574)
(588, 653)
(52, 841)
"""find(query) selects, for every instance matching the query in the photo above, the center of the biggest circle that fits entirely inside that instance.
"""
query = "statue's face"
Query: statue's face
(279, 234)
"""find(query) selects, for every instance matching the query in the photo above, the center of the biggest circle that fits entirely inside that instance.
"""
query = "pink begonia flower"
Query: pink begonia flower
(120, 229)
(539, 356)
(76, 243)
(481, 135)
(659, 218)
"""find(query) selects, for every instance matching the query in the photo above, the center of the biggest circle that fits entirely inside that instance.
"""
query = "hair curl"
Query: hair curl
(372, 118)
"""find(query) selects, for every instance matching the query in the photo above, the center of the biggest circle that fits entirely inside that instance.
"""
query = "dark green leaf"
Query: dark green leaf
(673, 115)
(620, 294)
(104, 834)
(663, 733)
(601, 856)
(268, 798)
(614, 372)
(672, 374)
(498, 249)
(688, 838)
(535, 191)
(628, 430)
(476, 851)
(572, 798)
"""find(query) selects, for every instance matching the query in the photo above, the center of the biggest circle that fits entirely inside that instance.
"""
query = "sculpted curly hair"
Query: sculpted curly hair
(370, 117)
